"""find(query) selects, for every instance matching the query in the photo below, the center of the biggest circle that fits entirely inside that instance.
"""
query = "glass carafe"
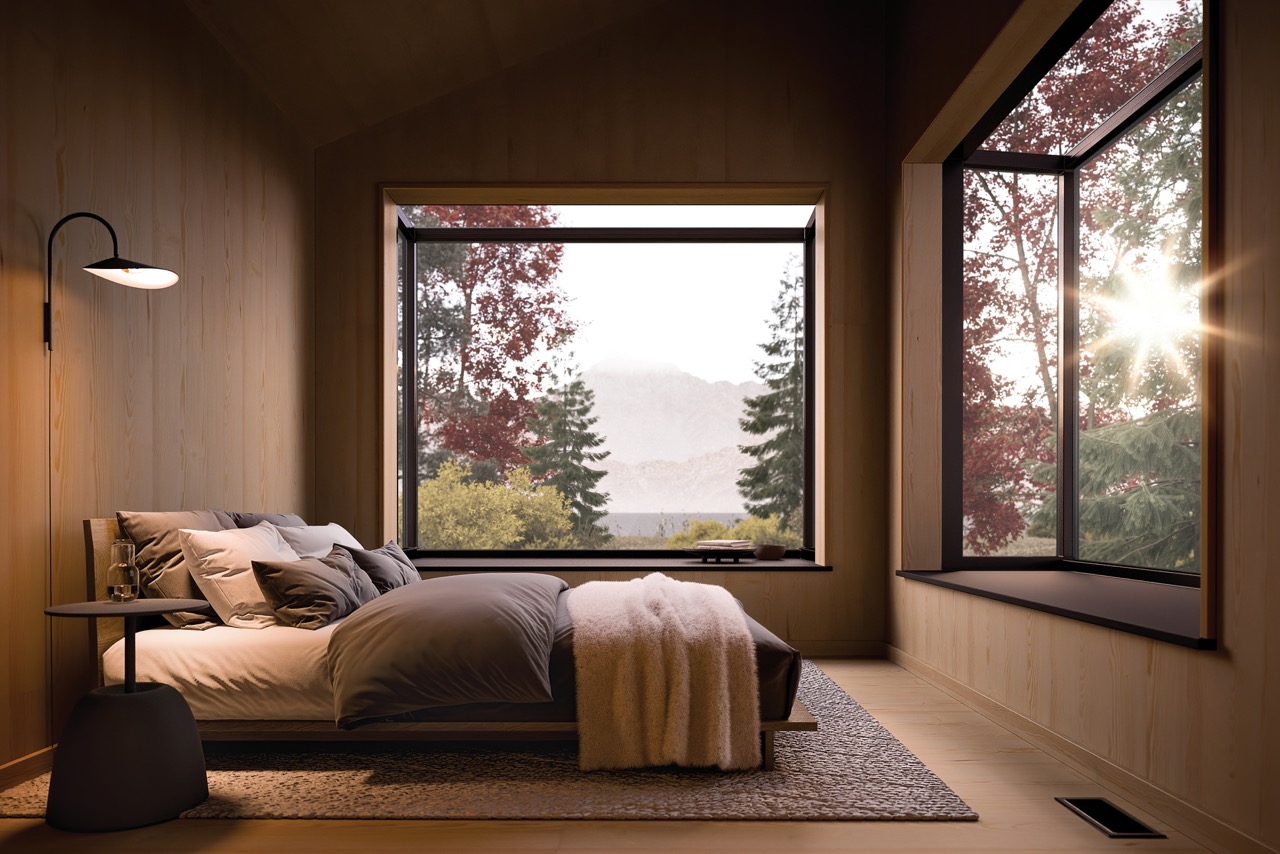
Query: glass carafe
(122, 574)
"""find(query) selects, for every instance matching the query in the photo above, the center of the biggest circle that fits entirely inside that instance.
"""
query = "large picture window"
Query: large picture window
(1076, 398)
(604, 378)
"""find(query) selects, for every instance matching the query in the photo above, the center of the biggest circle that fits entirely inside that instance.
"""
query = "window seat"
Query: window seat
(678, 562)
(1162, 611)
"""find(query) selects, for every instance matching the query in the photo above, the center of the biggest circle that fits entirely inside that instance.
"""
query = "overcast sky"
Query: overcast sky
(702, 307)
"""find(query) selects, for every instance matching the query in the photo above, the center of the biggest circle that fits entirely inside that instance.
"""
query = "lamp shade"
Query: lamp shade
(125, 272)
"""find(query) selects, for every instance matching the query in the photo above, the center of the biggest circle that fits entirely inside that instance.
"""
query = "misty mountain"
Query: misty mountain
(654, 411)
(672, 437)
(702, 484)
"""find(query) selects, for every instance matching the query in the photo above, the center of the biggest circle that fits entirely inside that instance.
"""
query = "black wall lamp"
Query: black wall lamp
(114, 269)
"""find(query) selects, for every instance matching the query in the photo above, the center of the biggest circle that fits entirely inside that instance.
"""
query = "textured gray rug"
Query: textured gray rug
(850, 769)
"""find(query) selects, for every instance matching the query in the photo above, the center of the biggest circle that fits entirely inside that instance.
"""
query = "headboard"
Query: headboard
(99, 534)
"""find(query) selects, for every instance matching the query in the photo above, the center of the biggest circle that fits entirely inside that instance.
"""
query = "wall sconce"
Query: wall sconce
(114, 269)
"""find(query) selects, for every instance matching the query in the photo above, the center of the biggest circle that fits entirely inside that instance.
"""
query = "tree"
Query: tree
(456, 512)
(489, 316)
(1138, 435)
(562, 453)
(695, 530)
(774, 485)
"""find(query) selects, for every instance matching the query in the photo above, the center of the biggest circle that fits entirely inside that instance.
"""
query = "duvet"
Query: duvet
(446, 642)
(487, 647)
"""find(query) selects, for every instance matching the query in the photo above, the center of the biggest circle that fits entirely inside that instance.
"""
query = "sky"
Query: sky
(701, 307)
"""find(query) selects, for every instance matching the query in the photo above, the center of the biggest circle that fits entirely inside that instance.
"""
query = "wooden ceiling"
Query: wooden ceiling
(337, 66)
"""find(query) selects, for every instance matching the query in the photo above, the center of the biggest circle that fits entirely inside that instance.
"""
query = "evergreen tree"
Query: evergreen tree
(562, 455)
(774, 485)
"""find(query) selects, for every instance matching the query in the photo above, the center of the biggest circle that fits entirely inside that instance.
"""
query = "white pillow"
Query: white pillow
(221, 562)
(317, 540)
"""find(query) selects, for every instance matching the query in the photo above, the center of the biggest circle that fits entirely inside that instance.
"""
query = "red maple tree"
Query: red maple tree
(489, 315)
(1011, 271)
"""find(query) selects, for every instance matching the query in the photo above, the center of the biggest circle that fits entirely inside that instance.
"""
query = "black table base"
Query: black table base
(126, 760)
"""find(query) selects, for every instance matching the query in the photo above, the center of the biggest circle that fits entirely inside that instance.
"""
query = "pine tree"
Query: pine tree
(560, 459)
(774, 485)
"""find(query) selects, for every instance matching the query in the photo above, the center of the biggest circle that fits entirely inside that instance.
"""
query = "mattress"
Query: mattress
(225, 673)
(282, 673)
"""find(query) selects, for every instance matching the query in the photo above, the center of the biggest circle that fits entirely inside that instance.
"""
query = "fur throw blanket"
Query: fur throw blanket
(666, 674)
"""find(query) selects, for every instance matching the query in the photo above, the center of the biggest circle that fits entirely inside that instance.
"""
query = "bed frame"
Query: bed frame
(100, 533)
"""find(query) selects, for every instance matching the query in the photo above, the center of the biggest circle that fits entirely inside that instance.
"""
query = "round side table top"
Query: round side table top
(136, 608)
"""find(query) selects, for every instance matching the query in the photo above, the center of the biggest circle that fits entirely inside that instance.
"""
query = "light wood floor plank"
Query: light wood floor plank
(1005, 779)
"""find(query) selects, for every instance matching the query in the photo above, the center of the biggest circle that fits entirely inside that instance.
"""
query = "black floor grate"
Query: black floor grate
(1109, 818)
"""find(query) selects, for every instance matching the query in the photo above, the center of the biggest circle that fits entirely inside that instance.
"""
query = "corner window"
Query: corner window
(1075, 387)
(604, 378)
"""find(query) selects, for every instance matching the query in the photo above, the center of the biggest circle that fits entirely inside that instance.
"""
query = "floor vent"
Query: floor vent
(1109, 818)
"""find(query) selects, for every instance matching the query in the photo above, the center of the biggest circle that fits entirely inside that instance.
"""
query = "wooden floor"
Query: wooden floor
(1008, 782)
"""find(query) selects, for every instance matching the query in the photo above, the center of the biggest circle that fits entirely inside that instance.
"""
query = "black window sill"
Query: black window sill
(1165, 612)
(675, 563)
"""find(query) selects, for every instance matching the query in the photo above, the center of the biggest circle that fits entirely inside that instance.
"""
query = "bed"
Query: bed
(273, 684)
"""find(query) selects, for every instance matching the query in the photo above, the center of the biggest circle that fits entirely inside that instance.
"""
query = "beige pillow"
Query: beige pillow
(221, 562)
(317, 540)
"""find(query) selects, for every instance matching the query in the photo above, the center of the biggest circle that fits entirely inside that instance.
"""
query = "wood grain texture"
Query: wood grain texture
(194, 396)
(382, 57)
(1194, 726)
(1027, 28)
(742, 97)
(920, 313)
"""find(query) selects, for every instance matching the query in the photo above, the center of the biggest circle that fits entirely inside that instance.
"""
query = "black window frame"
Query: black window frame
(1066, 167)
(804, 238)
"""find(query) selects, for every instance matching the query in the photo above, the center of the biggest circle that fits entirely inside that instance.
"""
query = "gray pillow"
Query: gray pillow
(314, 591)
(389, 566)
(163, 571)
(251, 520)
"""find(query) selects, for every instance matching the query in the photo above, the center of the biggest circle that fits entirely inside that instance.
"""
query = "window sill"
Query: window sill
(675, 563)
(1162, 611)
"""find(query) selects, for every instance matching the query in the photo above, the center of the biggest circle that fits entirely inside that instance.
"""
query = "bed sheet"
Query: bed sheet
(226, 673)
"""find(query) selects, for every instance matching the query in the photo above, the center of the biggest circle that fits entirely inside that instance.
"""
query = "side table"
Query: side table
(129, 755)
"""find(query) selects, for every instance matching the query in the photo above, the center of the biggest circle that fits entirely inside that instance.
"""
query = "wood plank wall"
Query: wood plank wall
(195, 396)
(710, 92)
(1197, 728)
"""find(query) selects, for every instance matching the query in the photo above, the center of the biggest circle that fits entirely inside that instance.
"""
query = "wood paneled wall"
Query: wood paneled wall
(710, 92)
(1192, 730)
(194, 396)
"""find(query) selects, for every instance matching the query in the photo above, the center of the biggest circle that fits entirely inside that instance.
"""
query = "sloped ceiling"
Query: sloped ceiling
(334, 67)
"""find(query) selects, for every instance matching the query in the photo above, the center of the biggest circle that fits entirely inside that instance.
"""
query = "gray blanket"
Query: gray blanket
(445, 642)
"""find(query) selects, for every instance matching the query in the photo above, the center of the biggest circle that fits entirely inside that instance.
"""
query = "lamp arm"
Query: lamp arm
(48, 276)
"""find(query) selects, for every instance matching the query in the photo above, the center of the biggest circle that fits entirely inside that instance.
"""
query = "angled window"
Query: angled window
(618, 378)
(1076, 395)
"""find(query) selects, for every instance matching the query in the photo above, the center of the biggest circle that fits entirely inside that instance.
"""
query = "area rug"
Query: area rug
(850, 769)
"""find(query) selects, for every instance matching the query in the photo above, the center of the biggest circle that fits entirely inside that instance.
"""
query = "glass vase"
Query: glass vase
(122, 574)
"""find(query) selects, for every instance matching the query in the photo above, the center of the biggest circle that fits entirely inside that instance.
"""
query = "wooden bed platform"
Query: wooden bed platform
(100, 533)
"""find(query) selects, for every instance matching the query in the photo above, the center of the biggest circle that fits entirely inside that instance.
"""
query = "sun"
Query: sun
(1151, 316)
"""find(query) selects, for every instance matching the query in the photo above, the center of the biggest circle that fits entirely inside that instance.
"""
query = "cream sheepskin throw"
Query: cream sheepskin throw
(666, 674)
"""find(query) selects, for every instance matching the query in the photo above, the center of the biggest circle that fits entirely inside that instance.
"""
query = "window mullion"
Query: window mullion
(810, 371)
(952, 369)
(409, 499)
(1068, 363)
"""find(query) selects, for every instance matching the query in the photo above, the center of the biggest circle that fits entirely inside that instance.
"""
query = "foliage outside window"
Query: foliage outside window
(1081, 398)
(578, 378)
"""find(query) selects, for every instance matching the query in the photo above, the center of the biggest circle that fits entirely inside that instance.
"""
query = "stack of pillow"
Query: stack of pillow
(260, 569)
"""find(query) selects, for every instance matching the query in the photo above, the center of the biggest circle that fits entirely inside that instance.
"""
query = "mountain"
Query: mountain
(654, 411)
(702, 484)
(672, 437)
